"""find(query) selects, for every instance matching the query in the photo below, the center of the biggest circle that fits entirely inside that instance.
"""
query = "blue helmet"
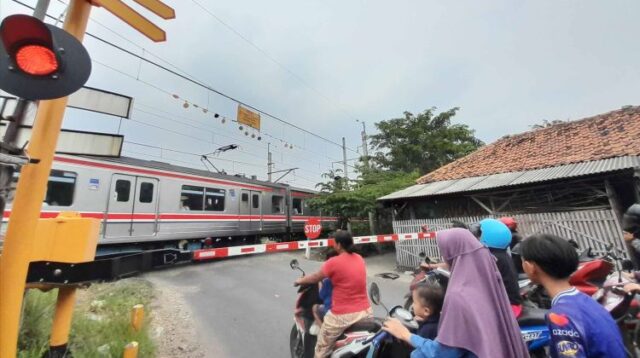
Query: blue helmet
(495, 234)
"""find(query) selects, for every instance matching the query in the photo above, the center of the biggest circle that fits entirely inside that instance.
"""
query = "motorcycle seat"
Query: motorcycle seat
(369, 325)
(532, 317)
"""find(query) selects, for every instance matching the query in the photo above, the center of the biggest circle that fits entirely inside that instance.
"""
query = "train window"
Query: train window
(245, 197)
(276, 204)
(60, 188)
(146, 192)
(123, 188)
(191, 197)
(297, 206)
(214, 199)
(255, 201)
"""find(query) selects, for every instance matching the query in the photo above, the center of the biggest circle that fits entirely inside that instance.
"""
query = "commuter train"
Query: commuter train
(150, 204)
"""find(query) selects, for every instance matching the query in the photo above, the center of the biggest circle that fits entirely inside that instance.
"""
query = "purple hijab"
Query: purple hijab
(476, 314)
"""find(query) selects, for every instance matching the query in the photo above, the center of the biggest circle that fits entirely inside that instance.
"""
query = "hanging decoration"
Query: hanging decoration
(249, 121)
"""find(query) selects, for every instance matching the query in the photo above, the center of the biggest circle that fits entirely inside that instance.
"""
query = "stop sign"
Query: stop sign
(312, 228)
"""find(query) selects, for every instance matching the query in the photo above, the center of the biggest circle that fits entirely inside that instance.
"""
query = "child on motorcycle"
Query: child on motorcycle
(475, 300)
(427, 304)
(320, 310)
(579, 326)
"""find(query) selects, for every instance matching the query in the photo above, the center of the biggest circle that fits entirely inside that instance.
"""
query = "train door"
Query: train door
(250, 210)
(120, 207)
(132, 206)
(245, 210)
(256, 210)
(145, 207)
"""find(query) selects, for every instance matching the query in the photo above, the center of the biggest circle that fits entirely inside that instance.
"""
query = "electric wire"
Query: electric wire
(194, 80)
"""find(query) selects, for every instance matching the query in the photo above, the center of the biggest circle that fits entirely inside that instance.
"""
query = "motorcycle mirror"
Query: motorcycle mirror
(627, 265)
(374, 293)
(294, 264)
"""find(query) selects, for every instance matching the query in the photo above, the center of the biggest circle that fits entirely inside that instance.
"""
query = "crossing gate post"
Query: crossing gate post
(20, 239)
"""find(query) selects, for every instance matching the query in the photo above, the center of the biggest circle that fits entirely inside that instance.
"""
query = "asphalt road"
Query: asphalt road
(243, 307)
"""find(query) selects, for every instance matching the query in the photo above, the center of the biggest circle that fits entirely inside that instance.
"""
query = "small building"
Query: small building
(573, 179)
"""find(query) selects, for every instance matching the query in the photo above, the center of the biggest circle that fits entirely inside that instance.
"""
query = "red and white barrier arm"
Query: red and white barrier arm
(210, 254)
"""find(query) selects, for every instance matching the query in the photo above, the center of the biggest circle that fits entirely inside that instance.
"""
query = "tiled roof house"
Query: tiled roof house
(573, 179)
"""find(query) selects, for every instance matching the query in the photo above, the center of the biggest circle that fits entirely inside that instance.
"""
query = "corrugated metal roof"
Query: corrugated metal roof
(516, 178)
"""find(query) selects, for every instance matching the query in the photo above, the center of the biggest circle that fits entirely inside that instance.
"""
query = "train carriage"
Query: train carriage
(154, 204)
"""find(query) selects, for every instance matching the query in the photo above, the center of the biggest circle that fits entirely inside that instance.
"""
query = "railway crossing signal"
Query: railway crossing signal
(49, 52)
(40, 61)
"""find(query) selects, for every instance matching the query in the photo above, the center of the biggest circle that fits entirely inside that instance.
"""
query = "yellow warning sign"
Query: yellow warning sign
(248, 117)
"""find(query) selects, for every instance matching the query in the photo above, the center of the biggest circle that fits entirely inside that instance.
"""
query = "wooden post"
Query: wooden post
(617, 209)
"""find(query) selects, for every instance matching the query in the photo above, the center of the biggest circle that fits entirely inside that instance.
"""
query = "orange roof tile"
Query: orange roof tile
(608, 135)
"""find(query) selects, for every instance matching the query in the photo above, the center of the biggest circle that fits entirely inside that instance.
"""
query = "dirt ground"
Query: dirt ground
(171, 328)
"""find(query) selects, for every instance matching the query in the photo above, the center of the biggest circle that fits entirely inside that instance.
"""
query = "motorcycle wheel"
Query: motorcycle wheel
(301, 347)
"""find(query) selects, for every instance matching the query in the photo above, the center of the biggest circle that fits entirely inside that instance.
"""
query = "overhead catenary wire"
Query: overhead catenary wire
(239, 139)
(298, 176)
(203, 140)
(273, 59)
(192, 79)
(168, 93)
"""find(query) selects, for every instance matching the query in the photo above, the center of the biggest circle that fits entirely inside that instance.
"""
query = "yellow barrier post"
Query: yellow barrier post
(62, 321)
(137, 317)
(20, 239)
(131, 350)
(69, 238)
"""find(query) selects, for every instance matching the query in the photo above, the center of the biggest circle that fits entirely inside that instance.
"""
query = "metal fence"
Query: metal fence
(590, 228)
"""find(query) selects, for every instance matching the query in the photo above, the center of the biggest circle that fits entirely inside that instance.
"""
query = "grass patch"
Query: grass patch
(101, 321)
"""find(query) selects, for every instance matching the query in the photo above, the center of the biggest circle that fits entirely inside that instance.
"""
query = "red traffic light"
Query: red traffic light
(40, 61)
(36, 60)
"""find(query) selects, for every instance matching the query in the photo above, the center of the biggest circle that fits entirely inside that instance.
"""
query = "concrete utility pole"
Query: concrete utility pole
(365, 149)
(269, 161)
(365, 152)
(344, 162)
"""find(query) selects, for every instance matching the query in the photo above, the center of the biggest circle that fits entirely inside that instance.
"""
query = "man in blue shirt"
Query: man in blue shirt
(579, 326)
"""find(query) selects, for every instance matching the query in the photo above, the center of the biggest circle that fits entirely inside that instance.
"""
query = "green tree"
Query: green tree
(360, 198)
(422, 142)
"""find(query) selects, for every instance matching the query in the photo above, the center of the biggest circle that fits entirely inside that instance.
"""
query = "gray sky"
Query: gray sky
(507, 64)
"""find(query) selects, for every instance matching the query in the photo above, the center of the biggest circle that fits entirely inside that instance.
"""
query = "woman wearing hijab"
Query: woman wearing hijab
(476, 318)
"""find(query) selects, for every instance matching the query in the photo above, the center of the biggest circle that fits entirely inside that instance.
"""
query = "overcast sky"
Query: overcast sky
(507, 64)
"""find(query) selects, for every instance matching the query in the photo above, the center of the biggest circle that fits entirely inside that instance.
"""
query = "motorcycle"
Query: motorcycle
(531, 320)
(589, 278)
(380, 344)
(302, 343)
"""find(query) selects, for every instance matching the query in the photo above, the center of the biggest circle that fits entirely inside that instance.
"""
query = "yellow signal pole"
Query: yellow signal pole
(20, 239)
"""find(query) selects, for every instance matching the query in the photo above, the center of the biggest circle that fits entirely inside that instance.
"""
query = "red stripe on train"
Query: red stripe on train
(126, 216)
